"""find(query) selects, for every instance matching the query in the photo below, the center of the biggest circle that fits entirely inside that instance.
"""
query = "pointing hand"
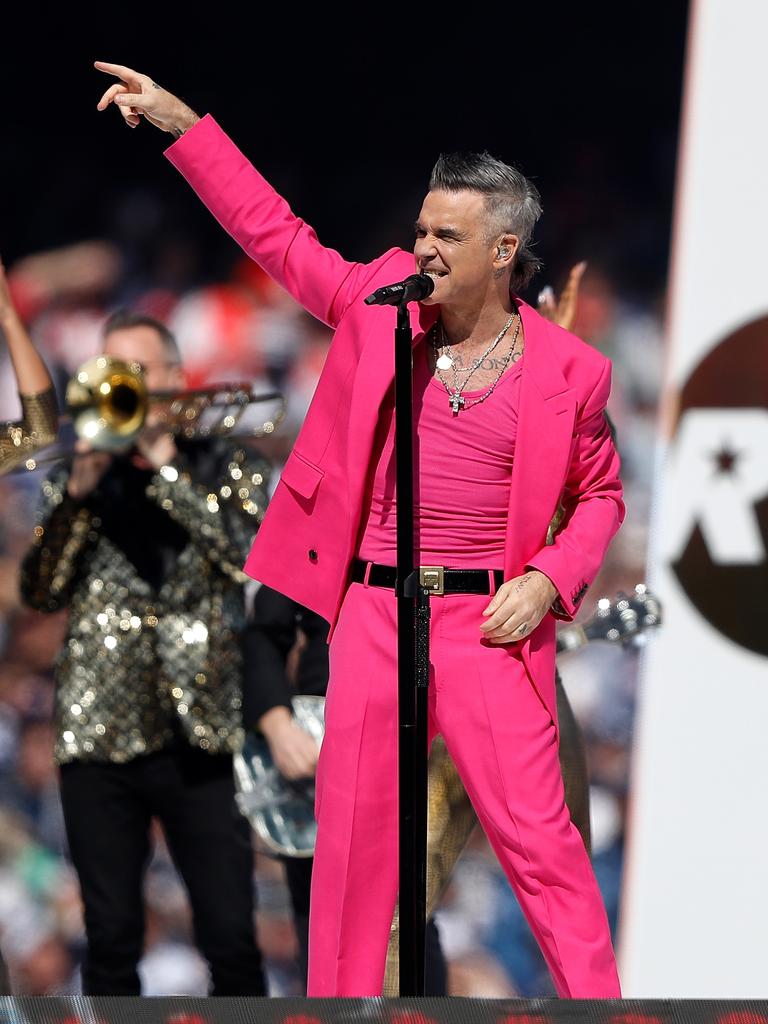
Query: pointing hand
(138, 96)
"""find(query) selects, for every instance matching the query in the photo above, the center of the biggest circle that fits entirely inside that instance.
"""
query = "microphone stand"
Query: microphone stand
(413, 613)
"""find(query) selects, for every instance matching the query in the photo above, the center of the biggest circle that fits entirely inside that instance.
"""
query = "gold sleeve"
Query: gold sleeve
(65, 528)
(37, 428)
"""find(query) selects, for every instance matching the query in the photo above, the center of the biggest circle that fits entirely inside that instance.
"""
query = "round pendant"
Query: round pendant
(444, 362)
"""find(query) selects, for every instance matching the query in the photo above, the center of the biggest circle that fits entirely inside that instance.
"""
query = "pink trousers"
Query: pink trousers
(504, 744)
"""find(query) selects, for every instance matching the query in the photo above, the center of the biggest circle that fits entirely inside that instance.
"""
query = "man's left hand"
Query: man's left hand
(517, 607)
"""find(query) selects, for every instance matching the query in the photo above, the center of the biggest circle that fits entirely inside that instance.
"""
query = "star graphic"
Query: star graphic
(725, 459)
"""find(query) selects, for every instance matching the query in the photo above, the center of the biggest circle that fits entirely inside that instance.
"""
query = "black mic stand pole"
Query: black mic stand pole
(412, 679)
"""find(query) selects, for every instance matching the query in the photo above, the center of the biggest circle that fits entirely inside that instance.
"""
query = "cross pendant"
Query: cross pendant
(456, 402)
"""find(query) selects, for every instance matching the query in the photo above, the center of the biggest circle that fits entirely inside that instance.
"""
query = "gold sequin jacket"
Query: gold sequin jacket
(140, 666)
(37, 428)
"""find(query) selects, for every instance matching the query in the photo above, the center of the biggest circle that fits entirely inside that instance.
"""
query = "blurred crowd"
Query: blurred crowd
(243, 327)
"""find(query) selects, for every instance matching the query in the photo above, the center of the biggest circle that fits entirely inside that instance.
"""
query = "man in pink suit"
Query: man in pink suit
(510, 426)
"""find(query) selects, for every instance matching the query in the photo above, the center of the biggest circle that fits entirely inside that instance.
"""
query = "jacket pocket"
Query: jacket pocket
(301, 475)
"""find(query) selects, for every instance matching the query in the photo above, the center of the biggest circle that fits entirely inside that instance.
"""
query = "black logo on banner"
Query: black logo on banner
(720, 532)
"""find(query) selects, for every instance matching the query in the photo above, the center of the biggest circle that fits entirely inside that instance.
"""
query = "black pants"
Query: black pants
(298, 873)
(108, 810)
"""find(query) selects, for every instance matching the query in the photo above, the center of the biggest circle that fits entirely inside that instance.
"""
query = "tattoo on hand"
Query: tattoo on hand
(156, 86)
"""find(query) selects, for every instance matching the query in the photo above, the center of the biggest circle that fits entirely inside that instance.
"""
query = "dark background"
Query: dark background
(347, 124)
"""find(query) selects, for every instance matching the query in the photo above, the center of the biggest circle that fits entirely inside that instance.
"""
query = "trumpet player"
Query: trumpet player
(143, 547)
(39, 423)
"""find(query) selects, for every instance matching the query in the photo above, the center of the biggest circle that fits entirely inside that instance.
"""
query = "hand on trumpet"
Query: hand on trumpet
(156, 446)
(88, 467)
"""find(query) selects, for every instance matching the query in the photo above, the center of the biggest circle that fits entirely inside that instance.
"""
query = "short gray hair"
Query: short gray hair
(126, 319)
(511, 201)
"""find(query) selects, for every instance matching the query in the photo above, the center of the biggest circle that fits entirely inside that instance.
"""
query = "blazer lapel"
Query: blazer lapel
(546, 415)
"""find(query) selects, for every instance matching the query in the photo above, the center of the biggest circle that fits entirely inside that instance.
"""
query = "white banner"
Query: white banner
(694, 917)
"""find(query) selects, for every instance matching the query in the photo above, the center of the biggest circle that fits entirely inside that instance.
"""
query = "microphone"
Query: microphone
(413, 288)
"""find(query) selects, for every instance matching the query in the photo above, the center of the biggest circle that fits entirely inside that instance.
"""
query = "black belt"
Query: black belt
(434, 578)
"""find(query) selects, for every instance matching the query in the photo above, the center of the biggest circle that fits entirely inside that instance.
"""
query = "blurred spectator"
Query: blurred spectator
(34, 796)
(244, 328)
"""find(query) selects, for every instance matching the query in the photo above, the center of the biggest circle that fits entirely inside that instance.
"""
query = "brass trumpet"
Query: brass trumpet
(107, 402)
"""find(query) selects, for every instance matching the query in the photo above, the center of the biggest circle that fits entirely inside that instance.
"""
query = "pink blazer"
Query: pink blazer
(305, 544)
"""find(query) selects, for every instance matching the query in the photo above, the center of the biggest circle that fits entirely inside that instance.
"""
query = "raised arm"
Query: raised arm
(246, 206)
(39, 424)
(562, 310)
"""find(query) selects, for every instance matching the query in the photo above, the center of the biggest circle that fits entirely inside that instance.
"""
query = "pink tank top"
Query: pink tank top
(463, 467)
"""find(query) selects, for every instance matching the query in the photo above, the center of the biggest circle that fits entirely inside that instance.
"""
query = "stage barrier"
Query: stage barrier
(182, 1010)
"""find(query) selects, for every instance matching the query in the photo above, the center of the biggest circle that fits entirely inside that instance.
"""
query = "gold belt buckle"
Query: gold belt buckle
(431, 578)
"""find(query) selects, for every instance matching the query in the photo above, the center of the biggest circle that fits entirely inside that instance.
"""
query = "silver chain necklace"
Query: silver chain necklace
(446, 360)
(455, 399)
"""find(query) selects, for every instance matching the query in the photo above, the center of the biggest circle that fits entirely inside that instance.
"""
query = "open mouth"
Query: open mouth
(435, 274)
